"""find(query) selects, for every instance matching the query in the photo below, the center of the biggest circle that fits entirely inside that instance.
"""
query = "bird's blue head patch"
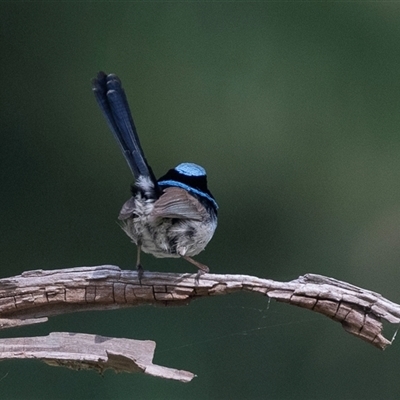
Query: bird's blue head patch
(190, 169)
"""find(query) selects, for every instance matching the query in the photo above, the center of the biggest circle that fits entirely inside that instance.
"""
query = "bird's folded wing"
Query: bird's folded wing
(128, 209)
(178, 203)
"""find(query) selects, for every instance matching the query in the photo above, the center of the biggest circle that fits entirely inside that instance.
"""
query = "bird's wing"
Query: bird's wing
(178, 203)
(127, 210)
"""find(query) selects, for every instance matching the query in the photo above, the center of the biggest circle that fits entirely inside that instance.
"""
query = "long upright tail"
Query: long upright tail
(113, 102)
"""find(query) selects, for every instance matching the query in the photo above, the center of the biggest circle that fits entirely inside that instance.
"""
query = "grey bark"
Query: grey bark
(34, 296)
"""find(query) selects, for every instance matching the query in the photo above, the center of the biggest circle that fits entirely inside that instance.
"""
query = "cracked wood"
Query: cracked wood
(35, 295)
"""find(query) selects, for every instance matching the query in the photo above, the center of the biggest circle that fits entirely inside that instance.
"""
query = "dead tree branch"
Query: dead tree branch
(82, 351)
(34, 296)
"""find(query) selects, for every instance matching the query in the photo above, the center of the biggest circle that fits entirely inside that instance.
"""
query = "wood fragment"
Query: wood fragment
(83, 351)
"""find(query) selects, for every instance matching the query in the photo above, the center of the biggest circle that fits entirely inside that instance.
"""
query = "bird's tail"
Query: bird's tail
(113, 102)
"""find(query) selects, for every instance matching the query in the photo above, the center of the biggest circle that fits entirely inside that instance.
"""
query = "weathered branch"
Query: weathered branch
(82, 351)
(35, 295)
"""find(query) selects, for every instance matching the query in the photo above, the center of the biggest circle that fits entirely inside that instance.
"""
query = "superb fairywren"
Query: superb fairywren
(174, 216)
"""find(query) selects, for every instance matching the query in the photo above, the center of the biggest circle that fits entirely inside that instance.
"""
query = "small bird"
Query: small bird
(174, 216)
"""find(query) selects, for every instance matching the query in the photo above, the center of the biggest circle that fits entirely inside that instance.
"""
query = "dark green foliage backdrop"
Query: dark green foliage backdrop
(294, 111)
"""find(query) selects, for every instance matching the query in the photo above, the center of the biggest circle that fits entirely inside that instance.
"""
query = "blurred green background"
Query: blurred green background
(293, 109)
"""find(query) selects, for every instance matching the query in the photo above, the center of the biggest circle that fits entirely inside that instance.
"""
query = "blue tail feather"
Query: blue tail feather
(113, 102)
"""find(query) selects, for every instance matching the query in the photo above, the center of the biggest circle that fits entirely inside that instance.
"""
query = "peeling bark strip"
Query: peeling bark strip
(82, 351)
(35, 295)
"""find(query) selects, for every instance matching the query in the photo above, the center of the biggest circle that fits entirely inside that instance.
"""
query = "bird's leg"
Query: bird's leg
(202, 268)
(138, 265)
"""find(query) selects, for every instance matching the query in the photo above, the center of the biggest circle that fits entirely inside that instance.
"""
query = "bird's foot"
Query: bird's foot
(202, 269)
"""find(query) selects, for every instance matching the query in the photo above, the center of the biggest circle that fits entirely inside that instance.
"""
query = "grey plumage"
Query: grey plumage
(175, 225)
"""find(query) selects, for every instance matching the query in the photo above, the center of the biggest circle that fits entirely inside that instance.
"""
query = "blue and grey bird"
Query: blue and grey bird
(174, 216)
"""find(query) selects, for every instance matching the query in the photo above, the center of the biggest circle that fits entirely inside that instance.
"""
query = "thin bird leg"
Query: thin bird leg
(200, 266)
(138, 265)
